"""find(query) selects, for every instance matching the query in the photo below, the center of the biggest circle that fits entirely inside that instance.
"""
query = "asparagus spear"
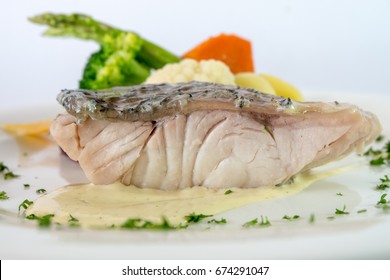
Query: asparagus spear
(124, 58)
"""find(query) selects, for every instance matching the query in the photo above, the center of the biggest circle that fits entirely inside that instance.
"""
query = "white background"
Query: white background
(341, 46)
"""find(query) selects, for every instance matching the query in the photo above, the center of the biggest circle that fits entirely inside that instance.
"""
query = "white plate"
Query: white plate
(353, 236)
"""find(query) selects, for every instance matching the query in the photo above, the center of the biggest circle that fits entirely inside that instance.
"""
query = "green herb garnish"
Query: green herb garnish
(3, 196)
(255, 222)
(73, 222)
(196, 218)
(44, 221)
(382, 200)
(3, 167)
(72, 219)
(339, 194)
(221, 221)
(25, 204)
(362, 211)
(228, 192)
(378, 161)
(136, 224)
(341, 212)
(40, 191)
(312, 218)
(385, 183)
(372, 152)
(288, 218)
(26, 186)
(10, 175)
(251, 223)
(379, 138)
(7, 173)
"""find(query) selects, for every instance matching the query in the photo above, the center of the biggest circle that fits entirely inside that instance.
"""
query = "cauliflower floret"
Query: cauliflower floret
(191, 70)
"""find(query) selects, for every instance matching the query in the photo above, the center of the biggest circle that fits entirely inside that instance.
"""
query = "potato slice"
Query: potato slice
(255, 81)
(283, 88)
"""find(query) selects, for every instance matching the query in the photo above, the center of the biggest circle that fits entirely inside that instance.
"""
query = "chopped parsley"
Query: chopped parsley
(379, 156)
(341, 212)
(3, 167)
(255, 222)
(228, 192)
(40, 191)
(385, 183)
(251, 223)
(196, 218)
(25, 204)
(378, 161)
(10, 175)
(339, 194)
(372, 152)
(3, 196)
(136, 224)
(361, 211)
(379, 138)
(288, 218)
(73, 222)
(72, 219)
(7, 173)
(382, 200)
(312, 218)
(26, 186)
(221, 221)
(44, 221)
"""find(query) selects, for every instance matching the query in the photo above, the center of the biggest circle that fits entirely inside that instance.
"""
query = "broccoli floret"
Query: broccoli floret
(124, 57)
(106, 69)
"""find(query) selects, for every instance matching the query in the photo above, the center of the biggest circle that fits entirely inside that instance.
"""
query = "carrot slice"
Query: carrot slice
(234, 51)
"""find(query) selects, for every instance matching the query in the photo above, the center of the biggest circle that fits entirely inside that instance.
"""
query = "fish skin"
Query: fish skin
(153, 101)
(175, 136)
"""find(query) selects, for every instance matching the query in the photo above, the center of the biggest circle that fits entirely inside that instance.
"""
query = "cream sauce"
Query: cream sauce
(107, 205)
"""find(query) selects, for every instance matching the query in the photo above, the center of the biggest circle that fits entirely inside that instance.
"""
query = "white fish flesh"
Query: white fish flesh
(175, 136)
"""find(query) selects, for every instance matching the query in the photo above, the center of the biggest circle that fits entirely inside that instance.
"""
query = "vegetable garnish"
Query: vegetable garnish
(251, 223)
(312, 218)
(289, 218)
(3, 195)
(228, 192)
(25, 204)
(361, 211)
(196, 218)
(385, 183)
(382, 200)
(73, 222)
(234, 51)
(10, 175)
(44, 221)
(136, 223)
(3, 167)
(341, 212)
(32, 128)
(379, 156)
(26, 186)
(380, 138)
(263, 223)
(72, 219)
(7, 173)
(124, 58)
(339, 194)
(221, 221)
(40, 191)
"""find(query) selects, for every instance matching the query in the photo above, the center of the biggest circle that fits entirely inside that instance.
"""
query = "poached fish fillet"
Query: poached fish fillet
(175, 136)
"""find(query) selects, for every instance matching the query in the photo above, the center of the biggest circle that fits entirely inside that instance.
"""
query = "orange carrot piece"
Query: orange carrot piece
(234, 51)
